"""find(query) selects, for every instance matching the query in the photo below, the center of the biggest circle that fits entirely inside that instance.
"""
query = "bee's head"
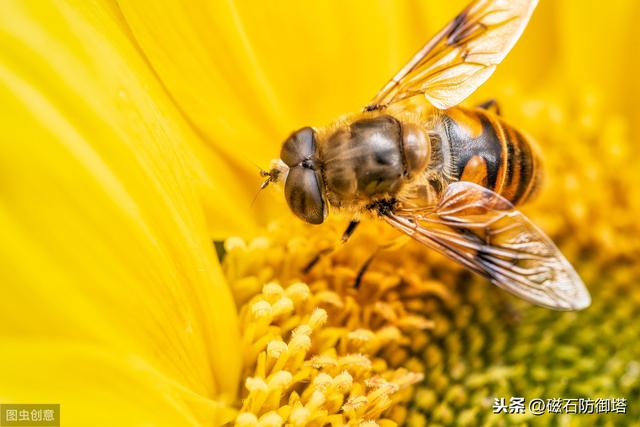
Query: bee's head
(303, 188)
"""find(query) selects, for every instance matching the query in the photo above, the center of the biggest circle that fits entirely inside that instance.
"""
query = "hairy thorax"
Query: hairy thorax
(372, 157)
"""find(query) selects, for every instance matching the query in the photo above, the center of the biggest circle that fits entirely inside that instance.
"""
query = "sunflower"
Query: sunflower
(129, 133)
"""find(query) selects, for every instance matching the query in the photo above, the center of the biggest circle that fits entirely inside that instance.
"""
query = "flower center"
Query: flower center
(317, 349)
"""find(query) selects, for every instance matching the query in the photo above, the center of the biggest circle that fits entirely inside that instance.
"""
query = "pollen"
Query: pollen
(317, 350)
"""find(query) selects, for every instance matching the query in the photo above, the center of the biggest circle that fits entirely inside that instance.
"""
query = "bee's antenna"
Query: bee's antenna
(270, 178)
(255, 197)
(278, 170)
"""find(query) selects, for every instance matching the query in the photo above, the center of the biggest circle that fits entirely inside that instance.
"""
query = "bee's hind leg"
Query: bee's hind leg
(348, 232)
(490, 105)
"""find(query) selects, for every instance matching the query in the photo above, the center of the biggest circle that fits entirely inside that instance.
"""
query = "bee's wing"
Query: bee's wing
(462, 55)
(481, 230)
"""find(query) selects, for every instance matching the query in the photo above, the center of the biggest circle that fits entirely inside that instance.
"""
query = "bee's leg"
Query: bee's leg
(364, 268)
(307, 268)
(348, 232)
(393, 244)
(373, 107)
(353, 224)
(490, 105)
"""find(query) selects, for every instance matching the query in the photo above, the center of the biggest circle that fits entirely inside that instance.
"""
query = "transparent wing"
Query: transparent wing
(481, 230)
(462, 55)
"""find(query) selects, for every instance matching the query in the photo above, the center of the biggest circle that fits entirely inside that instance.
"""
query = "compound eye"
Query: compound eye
(301, 145)
(304, 195)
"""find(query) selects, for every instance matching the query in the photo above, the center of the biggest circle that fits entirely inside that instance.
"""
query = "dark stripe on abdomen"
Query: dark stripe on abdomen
(525, 167)
(470, 135)
(521, 166)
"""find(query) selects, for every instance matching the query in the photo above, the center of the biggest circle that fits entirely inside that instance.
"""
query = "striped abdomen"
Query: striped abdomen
(486, 150)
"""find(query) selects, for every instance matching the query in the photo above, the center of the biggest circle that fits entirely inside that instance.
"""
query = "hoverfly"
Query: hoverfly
(446, 175)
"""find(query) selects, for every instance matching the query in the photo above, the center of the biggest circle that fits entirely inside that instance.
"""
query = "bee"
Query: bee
(446, 175)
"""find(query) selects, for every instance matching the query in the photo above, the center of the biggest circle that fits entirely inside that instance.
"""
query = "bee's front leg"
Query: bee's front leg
(348, 232)
(353, 224)
(393, 244)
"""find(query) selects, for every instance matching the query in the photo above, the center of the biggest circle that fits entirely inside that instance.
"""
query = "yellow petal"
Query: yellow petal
(104, 240)
(248, 73)
(598, 41)
(101, 387)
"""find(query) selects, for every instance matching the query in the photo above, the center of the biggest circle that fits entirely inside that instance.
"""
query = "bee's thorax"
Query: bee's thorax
(371, 158)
